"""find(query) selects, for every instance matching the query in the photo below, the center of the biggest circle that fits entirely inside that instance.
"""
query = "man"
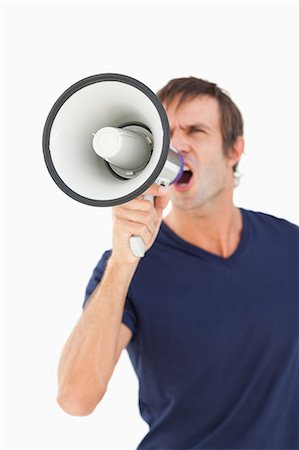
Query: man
(210, 316)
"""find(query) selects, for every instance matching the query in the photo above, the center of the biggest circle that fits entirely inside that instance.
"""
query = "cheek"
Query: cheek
(212, 158)
(213, 169)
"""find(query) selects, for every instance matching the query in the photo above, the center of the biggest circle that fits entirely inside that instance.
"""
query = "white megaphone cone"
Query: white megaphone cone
(106, 141)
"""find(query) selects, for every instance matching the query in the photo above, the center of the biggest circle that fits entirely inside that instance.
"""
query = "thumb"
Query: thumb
(162, 201)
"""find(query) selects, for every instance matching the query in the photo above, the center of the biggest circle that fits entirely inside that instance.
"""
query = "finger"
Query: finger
(137, 229)
(161, 202)
(161, 196)
(138, 204)
(156, 190)
(142, 217)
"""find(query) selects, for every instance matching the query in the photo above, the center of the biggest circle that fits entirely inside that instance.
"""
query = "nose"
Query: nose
(179, 141)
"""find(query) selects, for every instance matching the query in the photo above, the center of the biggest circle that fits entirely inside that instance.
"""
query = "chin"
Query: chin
(185, 203)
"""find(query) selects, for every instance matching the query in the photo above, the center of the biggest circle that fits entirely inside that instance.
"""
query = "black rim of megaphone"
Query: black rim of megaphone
(56, 107)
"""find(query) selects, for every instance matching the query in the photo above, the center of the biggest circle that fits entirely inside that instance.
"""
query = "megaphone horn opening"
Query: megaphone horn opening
(104, 100)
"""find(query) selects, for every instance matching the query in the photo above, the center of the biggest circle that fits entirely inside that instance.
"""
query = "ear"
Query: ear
(236, 152)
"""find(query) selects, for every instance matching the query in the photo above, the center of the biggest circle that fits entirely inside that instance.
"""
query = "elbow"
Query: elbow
(78, 405)
(73, 407)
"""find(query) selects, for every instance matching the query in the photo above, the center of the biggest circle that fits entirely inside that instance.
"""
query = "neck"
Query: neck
(214, 229)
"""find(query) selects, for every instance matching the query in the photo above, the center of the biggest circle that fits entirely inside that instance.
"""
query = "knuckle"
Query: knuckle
(115, 218)
(115, 210)
(143, 227)
(147, 206)
(147, 216)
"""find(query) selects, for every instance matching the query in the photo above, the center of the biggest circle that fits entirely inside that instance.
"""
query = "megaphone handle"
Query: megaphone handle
(136, 242)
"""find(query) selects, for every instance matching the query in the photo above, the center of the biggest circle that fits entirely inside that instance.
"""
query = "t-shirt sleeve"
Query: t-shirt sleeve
(129, 316)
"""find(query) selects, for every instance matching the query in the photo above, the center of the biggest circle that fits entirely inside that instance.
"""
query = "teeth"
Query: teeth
(186, 167)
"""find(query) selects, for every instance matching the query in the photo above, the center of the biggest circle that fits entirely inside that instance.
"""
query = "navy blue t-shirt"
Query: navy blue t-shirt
(215, 341)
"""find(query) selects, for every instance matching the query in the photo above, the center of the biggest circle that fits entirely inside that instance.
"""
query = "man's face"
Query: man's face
(196, 133)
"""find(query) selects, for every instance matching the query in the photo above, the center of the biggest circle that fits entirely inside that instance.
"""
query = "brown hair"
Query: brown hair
(231, 121)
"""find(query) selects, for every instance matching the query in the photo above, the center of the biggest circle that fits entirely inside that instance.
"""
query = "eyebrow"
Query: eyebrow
(199, 125)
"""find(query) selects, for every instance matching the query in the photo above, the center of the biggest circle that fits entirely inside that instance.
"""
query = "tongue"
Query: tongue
(185, 178)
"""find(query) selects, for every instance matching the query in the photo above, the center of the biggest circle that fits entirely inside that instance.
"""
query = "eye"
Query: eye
(196, 130)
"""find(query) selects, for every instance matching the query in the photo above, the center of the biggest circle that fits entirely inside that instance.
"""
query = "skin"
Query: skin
(207, 206)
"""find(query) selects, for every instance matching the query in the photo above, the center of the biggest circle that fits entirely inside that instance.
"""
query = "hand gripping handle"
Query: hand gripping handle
(136, 242)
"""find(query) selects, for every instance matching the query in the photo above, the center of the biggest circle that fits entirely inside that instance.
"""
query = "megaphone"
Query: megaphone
(106, 140)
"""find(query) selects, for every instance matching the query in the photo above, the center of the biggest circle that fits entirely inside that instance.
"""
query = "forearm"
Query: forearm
(88, 357)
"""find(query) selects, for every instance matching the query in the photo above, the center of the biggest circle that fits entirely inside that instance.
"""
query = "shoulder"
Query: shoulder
(271, 224)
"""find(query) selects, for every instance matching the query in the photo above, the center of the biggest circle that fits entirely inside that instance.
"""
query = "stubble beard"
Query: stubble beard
(199, 195)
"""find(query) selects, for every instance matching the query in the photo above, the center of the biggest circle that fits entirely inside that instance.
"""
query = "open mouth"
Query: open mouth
(184, 182)
(185, 178)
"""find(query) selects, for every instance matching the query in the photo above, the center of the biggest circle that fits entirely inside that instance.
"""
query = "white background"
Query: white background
(51, 242)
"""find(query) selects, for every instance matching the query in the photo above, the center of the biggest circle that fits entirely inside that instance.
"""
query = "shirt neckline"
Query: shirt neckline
(207, 254)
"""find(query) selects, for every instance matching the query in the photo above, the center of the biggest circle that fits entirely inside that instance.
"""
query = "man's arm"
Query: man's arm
(92, 350)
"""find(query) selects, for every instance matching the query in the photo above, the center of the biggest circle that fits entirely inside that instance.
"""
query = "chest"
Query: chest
(213, 313)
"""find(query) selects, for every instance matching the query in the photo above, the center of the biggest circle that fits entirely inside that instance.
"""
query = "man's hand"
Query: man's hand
(140, 218)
